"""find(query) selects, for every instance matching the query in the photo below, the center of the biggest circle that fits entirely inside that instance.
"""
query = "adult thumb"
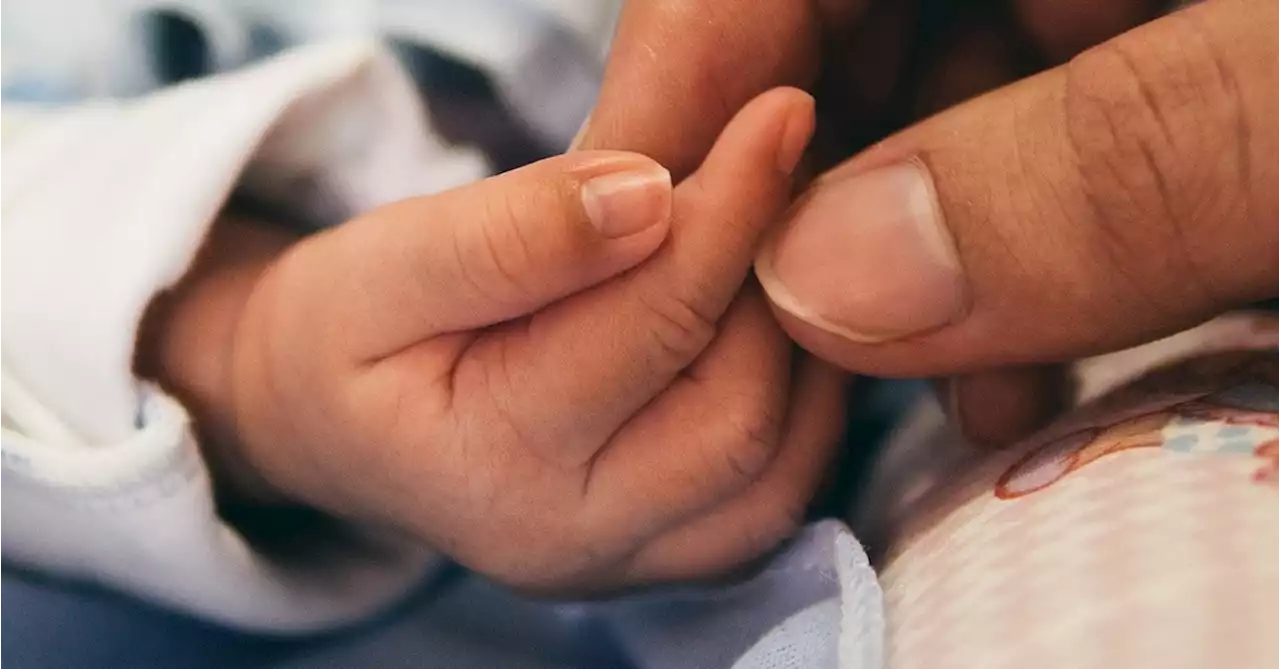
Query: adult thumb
(1128, 194)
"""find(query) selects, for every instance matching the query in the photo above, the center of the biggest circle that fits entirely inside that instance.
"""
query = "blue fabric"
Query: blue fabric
(790, 614)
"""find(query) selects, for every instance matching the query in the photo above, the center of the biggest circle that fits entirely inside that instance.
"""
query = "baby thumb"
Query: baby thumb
(496, 249)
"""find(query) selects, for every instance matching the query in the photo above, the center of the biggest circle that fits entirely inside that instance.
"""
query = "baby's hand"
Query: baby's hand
(553, 376)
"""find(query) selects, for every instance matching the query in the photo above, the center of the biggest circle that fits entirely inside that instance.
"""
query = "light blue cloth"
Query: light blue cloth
(794, 614)
(816, 604)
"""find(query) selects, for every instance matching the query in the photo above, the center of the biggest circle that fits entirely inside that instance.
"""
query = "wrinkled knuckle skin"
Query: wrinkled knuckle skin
(678, 327)
(750, 439)
(507, 253)
(1143, 159)
(1117, 147)
(494, 257)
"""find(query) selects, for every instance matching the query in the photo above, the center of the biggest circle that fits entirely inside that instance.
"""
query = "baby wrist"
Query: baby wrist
(187, 337)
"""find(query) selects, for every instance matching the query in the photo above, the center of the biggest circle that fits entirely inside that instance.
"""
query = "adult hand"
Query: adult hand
(680, 68)
(1126, 195)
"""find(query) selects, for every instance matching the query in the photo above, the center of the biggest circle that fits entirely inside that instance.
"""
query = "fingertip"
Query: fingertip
(797, 131)
(779, 121)
(746, 179)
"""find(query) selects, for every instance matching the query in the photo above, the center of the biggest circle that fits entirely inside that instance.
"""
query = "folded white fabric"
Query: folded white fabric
(544, 56)
(104, 205)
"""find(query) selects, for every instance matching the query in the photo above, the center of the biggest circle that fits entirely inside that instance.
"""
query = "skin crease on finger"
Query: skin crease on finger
(1001, 406)
(976, 53)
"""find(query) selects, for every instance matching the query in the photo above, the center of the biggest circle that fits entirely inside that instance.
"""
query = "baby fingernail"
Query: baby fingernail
(624, 203)
(868, 258)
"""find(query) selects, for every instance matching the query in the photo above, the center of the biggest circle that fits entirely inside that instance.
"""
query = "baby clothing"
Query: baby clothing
(1138, 531)
(105, 204)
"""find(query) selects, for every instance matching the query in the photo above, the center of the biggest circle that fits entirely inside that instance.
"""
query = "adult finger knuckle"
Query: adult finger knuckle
(1141, 159)
(1114, 129)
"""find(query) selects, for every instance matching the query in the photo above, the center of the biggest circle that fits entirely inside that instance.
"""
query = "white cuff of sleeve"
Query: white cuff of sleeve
(104, 206)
